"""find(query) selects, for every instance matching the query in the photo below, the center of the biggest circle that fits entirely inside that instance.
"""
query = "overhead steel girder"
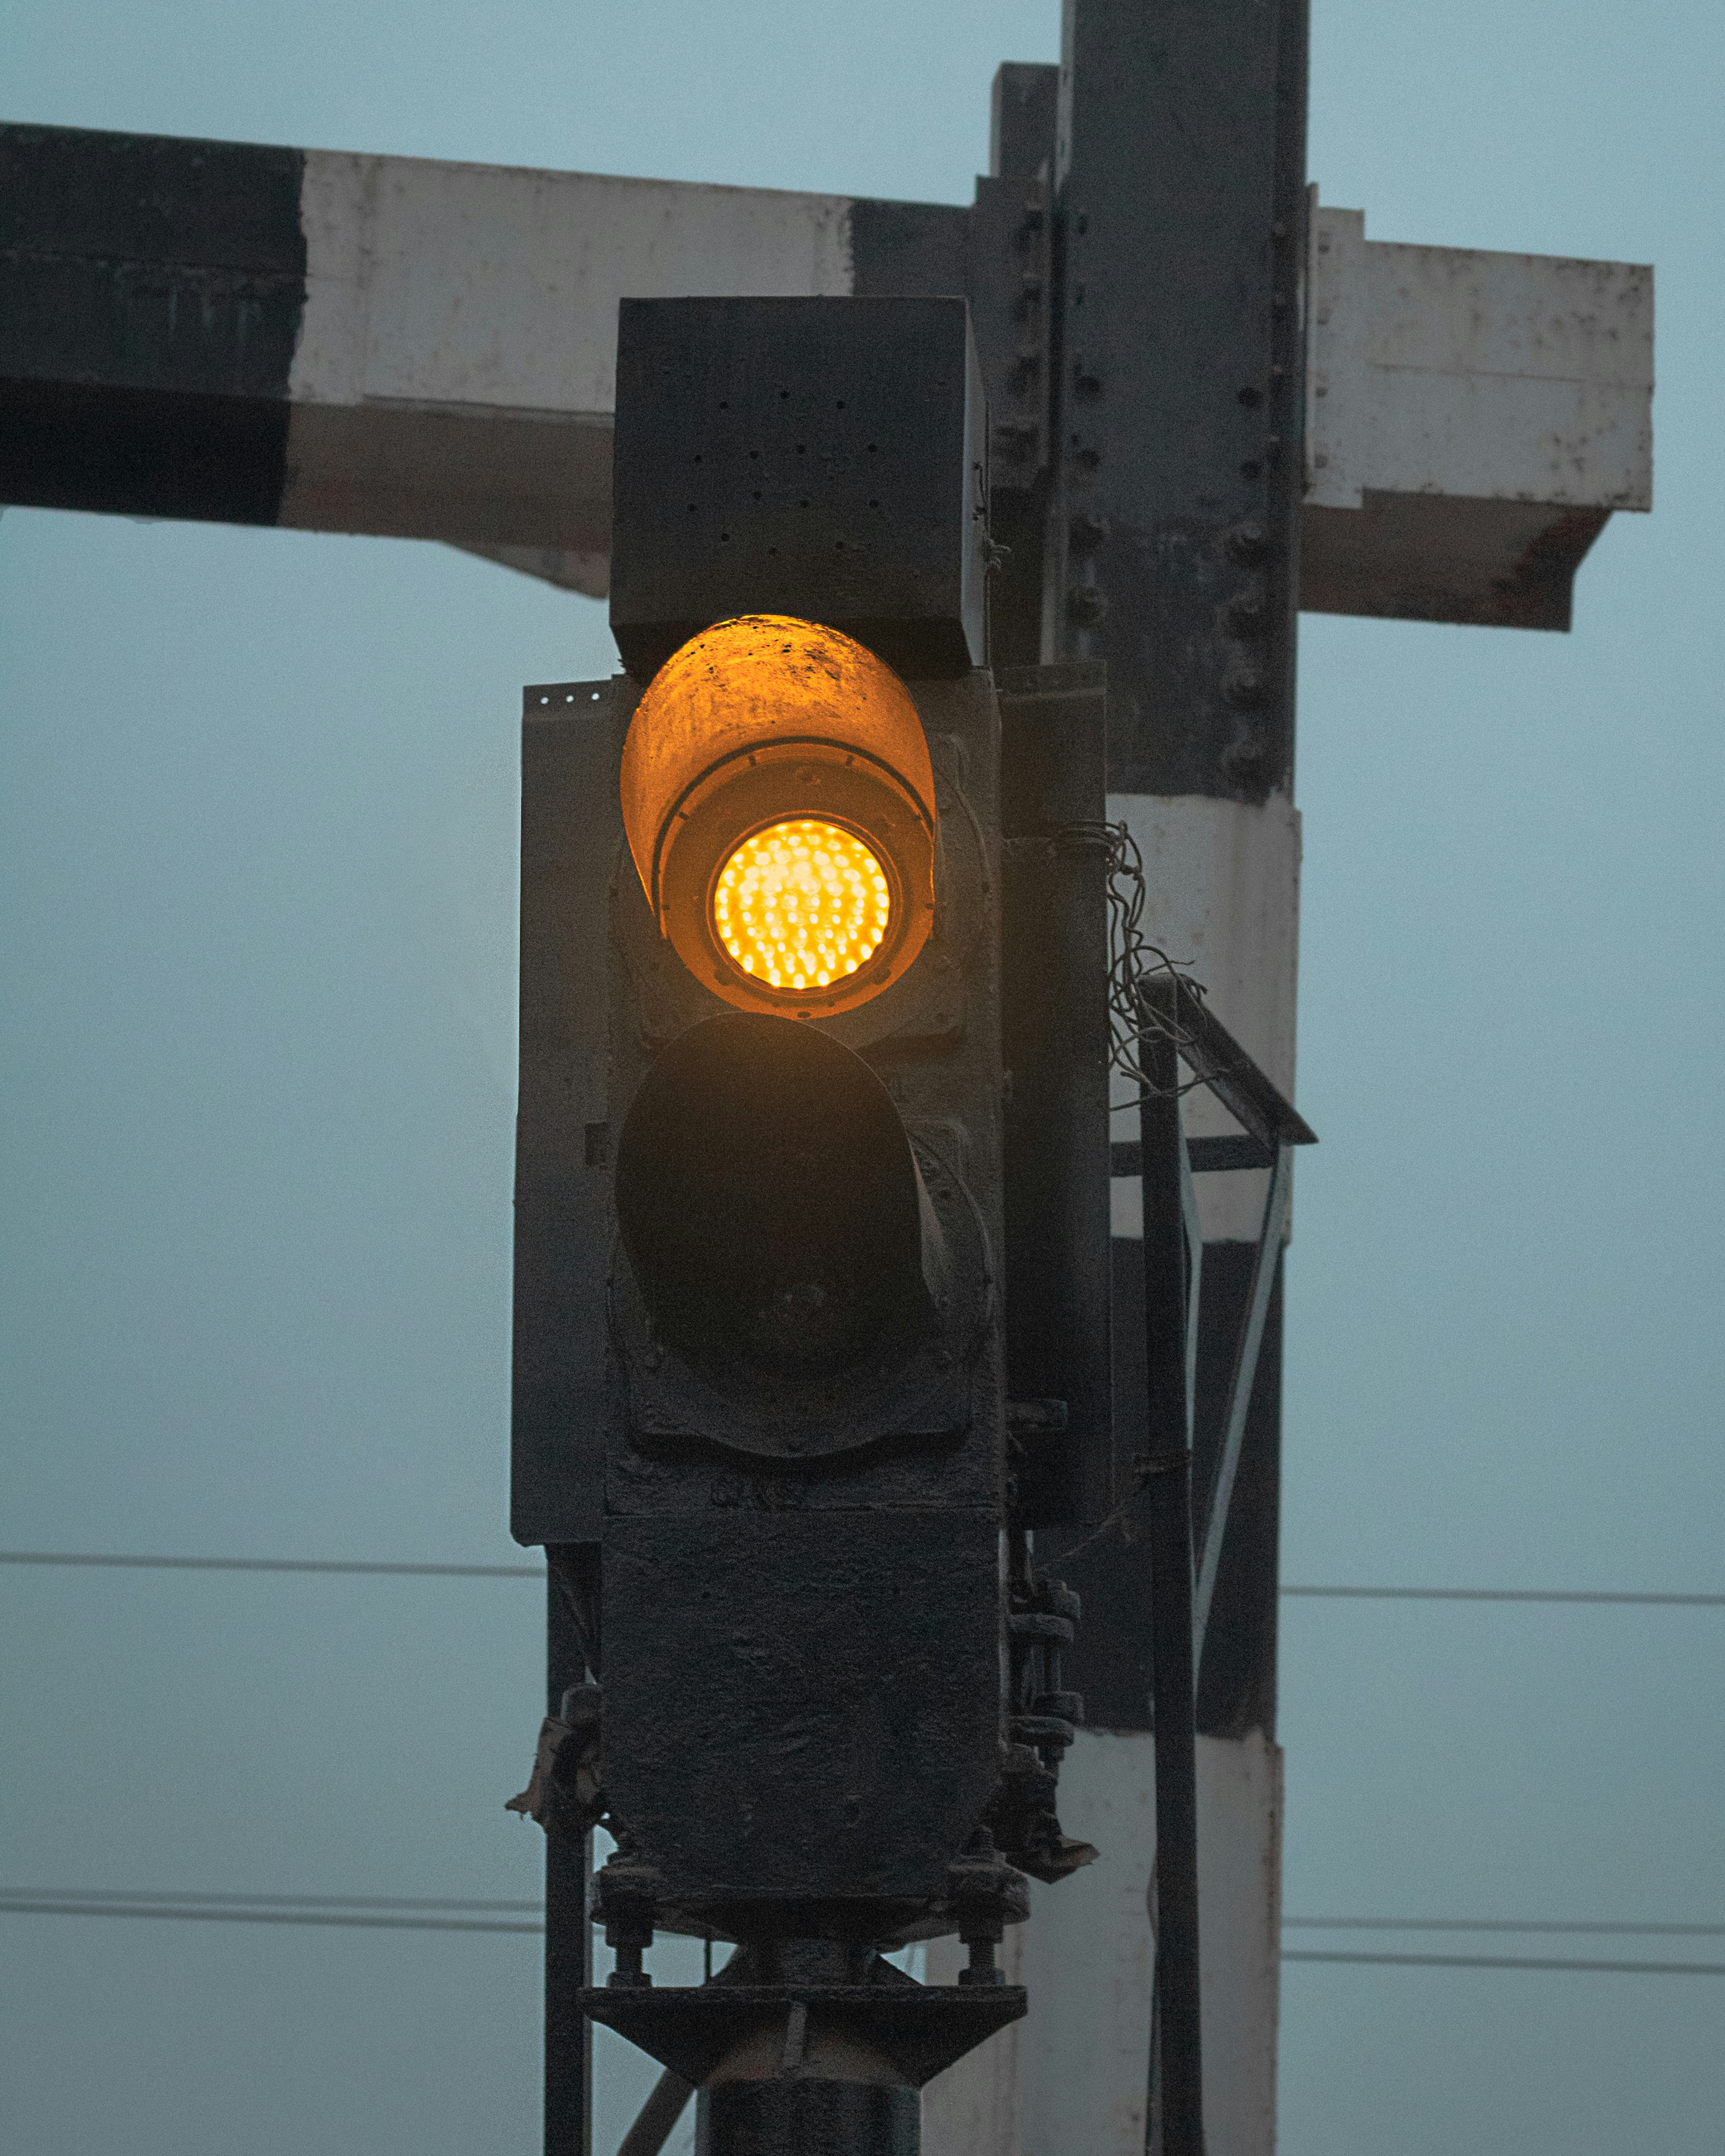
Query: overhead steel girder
(242, 334)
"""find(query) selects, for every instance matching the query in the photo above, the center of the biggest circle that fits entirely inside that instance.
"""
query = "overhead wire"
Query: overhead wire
(1506, 1961)
(272, 1564)
(27, 1905)
(444, 1913)
(98, 1559)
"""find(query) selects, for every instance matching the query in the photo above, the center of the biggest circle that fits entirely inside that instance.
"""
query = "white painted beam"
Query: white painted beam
(454, 375)
(1074, 2075)
(1472, 418)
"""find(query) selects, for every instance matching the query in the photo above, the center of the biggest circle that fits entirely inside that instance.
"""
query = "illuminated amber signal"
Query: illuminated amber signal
(801, 905)
(780, 804)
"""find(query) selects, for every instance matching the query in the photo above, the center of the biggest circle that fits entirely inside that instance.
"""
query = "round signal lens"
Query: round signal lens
(801, 905)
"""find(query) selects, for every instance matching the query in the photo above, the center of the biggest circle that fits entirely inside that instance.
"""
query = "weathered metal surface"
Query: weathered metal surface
(801, 1703)
(1182, 211)
(1007, 279)
(1164, 1471)
(809, 2118)
(568, 1936)
(826, 459)
(1472, 419)
(571, 837)
(914, 2030)
(1056, 1043)
(1182, 206)
(1013, 305)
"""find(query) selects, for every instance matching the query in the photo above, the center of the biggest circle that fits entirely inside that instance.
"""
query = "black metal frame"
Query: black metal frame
(1177, 1028)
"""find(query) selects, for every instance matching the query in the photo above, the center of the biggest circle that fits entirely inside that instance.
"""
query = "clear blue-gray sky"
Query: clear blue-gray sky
(257, 976)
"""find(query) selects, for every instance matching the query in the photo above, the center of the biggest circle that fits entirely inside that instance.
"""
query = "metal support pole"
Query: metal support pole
(1166, 1466)
(568, 1935)
(657, 2119)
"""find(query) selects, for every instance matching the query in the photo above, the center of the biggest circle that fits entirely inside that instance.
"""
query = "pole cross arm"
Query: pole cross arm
(1472, 418)
(1213, 1054)
(244, 334)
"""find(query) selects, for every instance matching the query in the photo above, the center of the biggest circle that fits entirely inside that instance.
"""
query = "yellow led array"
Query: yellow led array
(801, 905)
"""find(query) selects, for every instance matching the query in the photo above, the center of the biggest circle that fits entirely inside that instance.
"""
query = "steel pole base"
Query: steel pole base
(794, 2116)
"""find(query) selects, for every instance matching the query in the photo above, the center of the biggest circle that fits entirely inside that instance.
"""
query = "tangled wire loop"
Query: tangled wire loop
(1133, 959)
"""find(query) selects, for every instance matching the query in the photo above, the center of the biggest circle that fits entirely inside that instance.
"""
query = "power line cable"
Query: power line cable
(1507, 1961)
(75, 1894)
(23, 1905)
(445, 1904)
(26, 1905)
(1505, 1594)
(272, 1564)
(537, 1572)
(1498, 1924)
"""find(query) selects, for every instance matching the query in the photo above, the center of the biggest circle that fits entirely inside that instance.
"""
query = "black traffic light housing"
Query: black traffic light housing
(812, 1309)
(826, 459)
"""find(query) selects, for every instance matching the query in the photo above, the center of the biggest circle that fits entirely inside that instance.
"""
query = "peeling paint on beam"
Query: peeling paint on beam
(1472, 419)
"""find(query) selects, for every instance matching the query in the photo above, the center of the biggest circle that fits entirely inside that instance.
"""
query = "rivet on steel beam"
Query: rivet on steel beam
(1246, 687)
(1247, 753)
(1246, 543)
(1245, 614)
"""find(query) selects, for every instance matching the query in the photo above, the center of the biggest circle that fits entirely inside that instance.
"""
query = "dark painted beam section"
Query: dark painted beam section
(1012, 304)
(571, 827)
(1181, 401)
(997, 254)
(1054, 1040)
(150, 294)
(915, 251)
(1111, 1664)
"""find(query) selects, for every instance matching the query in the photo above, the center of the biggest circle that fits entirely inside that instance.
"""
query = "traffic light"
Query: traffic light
(811, 1210)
